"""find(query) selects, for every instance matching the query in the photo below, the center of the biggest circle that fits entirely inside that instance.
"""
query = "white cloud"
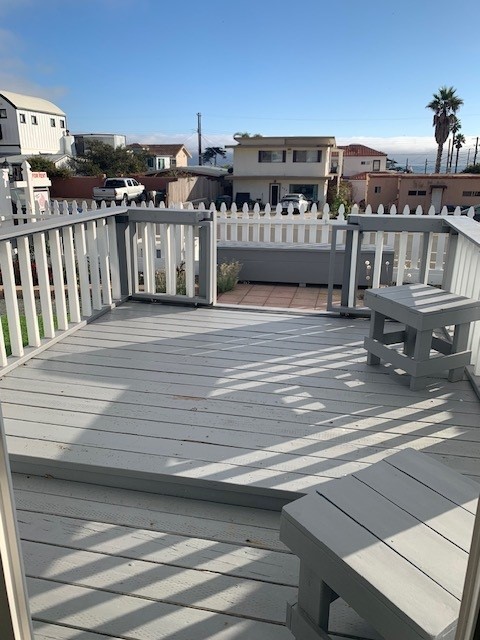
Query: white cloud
(188, 139)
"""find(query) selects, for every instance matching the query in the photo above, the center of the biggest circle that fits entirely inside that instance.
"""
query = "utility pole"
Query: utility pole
(476, 149)
(447, 168)
(426, 162)
(468, 158)
(199, 132)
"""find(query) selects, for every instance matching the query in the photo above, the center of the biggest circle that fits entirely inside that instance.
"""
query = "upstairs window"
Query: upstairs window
(3, 113)
(376, 165)
(272, 156)
(309, 155)
(1, 132)
(62, 124)
(377, 189)
(52, 122)
(34, 119)
(22, 117)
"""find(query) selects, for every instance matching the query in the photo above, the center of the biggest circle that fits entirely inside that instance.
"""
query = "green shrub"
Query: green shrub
(161, 281)
(227, 275)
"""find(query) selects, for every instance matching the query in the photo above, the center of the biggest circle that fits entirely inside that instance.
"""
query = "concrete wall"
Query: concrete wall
(461, 190)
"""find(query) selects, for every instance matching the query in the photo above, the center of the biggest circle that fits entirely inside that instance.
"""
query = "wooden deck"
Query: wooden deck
(151, 406)
(246, 407)
(124, 565)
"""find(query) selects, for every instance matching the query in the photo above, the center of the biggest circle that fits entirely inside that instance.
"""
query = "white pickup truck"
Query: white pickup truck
(122, 190)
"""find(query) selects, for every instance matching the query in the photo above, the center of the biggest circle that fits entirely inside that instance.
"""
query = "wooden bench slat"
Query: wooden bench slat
(458, 489)
(398, 599)
(431, 553)
(428, 506)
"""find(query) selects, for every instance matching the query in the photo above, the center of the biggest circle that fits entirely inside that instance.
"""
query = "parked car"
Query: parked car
(296, 199)
(476, 209)
(122, 190)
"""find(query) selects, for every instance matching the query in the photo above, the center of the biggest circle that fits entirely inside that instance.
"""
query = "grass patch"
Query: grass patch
(23, 327)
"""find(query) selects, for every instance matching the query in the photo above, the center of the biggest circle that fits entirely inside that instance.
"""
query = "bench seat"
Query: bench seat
(392, 540)
(422, 309)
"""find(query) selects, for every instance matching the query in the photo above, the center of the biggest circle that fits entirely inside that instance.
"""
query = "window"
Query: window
(3, 113)
(271, 156)
(412, 193)
(1, 132)
(376, 165)
(62, 124)
(150, 162)
(467, 194)
(310, 191)
(417, 193)
(52, 122)
(309, 155)
(34, 119)
(22, 118)
(377, 190)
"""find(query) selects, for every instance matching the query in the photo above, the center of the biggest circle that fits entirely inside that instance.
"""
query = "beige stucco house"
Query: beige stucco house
(266, 168)
(415, 189)
(163, 156)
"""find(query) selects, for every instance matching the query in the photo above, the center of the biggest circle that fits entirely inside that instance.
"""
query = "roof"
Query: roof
(19, 158)
(161, 149)
(282, 141)
(359, 150)
(31, 103)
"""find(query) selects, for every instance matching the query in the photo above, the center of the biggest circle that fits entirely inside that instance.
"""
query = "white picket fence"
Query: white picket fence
(269, 225)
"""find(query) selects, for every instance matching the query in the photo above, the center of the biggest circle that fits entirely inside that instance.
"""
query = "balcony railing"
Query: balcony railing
(70, 268)
(448, 245)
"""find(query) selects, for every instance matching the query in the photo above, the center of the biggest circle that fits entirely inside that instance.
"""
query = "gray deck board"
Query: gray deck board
(104, 562)
(245, 400)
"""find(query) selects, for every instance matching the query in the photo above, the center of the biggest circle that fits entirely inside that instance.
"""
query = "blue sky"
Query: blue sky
(361, 71)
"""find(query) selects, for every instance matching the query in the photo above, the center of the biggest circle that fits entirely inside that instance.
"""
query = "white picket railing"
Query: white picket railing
(62, 270)
(464, 276)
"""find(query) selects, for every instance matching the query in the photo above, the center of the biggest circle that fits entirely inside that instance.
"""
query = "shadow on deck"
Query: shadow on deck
(246, 408)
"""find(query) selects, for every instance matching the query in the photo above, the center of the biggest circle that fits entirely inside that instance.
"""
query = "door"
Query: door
(437, 193)
(274, 194)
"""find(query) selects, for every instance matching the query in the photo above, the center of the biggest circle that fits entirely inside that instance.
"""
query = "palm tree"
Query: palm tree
(458, 141)
(445, 104)
(455, 127)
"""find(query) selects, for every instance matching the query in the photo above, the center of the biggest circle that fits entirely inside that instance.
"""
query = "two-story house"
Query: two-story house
(357, 158)
(163, 156)
(266, 168)
(30, 125)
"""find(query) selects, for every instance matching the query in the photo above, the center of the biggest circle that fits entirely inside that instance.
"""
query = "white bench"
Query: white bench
(392, 540)
(422, 309)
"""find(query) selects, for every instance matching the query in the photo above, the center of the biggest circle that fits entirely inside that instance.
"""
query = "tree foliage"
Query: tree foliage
(444, 105)
(101, 158)
(472, 168)
(40, 163)
(211, 153)
(245, 134)
(342, 195)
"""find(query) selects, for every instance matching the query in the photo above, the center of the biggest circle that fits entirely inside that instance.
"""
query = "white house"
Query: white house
(266, 168)
(357, 158)
(30, 125)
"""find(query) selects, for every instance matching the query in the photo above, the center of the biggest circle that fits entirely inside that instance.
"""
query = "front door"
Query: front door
(274, 194)
(437, 193)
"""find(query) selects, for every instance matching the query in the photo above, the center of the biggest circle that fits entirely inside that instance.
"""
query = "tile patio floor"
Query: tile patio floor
(278, 295)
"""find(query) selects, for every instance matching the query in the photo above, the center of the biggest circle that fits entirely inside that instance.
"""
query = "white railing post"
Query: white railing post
(6, 209)
(15, 620)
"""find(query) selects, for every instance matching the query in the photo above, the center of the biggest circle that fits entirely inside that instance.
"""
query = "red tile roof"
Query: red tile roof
(360, 150)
